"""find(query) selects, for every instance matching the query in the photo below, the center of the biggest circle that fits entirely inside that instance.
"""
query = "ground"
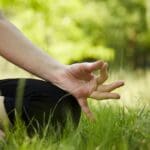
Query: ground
(119, 125)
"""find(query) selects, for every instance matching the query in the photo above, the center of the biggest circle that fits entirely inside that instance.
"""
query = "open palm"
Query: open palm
(79, 80)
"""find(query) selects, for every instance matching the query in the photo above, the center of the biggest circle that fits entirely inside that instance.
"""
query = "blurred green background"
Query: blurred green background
(85, 30)
(117, 31)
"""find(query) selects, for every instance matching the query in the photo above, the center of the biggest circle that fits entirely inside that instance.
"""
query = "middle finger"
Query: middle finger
(110, 87)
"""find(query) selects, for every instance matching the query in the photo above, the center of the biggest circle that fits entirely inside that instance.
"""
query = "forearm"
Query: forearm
(20, 51)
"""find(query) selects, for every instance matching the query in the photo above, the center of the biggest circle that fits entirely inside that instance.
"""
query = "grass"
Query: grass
(119, 125)
(116, 128)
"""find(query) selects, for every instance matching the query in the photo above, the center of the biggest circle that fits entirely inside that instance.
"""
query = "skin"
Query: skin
(78, 79)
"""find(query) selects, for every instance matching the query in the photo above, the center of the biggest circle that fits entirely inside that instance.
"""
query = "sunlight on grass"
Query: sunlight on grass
(119, 125)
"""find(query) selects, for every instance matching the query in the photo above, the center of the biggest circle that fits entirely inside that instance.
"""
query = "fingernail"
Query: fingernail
(105, 65)
(121, 82)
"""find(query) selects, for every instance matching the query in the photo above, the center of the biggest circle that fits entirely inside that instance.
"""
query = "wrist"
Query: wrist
(55, 74)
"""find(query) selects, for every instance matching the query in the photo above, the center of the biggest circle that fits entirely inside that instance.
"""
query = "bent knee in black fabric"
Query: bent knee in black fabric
(9, 104)
(42, 101)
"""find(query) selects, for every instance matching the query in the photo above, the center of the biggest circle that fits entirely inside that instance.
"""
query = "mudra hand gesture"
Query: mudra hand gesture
(80, 81)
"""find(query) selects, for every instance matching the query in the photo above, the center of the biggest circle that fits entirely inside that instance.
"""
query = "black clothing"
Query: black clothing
(42, 102)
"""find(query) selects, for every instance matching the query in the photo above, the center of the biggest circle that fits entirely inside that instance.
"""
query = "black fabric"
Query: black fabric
(42, 102)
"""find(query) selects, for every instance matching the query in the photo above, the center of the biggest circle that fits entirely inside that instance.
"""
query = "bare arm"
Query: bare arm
(77, 79)
(15, 47)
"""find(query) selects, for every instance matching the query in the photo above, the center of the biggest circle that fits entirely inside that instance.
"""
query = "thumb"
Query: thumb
(85, 108)
(90, 67)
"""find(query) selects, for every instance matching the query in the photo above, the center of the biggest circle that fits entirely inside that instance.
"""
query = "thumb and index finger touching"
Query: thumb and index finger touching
(103, 74)
(98, 65)
(90, 67)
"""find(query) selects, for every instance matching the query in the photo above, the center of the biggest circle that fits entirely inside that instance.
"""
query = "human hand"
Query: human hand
(79, 80)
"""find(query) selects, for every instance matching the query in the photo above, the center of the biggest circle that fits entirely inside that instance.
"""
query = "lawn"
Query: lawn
(119, 125)
(82, 30)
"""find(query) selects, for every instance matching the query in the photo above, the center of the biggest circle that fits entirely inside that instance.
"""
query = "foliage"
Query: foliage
(76, 30)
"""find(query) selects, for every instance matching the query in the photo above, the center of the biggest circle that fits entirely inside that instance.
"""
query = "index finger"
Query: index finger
(103, 74)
